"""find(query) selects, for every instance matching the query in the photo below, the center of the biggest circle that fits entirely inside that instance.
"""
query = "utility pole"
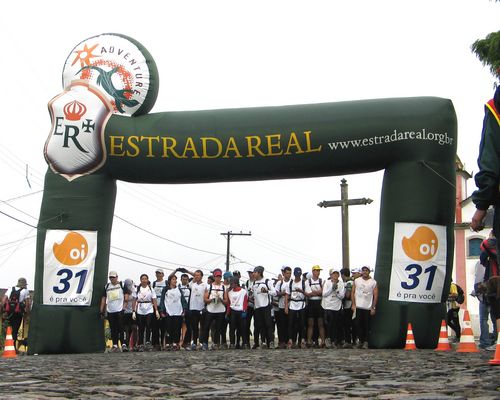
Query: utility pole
(344, 203)
(228, 235)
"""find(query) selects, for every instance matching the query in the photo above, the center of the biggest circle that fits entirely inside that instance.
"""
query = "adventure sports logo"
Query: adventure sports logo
(422, 245)
(73, 250)
(104, 75)
(418, 263)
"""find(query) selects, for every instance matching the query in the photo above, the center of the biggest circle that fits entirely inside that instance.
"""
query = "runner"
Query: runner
(113, 302)
(237, 299)
(295, 308)
(216, 310)
(333, 294)
(146, 309)
(262, 289)
(315, 311)
(173, 305)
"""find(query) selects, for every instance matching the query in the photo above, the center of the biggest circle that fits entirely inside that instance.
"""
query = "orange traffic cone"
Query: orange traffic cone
(467, 343)
(410, 341)
(9, 350)
(443, 344)
(496, 359)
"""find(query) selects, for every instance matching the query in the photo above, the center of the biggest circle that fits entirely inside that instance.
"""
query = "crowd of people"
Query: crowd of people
(300, 308)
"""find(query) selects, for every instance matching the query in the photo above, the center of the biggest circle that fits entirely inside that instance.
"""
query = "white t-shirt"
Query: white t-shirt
(145, 298)
(261, 299)
(197, 293)
(281, 287)
(216, 295)
(23, 295)
(364, 292)
(333, 295)
(297, 300)
(237, 299)
(315, 285)
(158, 288)
(173, 302)
(114, 297)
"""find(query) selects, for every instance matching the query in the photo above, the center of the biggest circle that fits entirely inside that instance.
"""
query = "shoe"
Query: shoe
(124, 348)
(140, 349)
(303, 345)
(237, 347)
(175, 347)
(347, 346)
(204, 347)
(491, 348)
(187, 348)
(359, 345)
(271, 346)
(223, 346)
(328, 343)
(231, 347)
(255, 347)
(289, 345)
(364, 345)
(246, 347)
(114, 349)
(148, 347)
(193, 346)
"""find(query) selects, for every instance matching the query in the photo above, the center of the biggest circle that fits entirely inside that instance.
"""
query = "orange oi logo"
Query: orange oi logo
(72, 250)
(422, 245)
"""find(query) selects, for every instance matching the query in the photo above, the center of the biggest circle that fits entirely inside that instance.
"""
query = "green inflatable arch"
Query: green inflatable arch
(101, 133)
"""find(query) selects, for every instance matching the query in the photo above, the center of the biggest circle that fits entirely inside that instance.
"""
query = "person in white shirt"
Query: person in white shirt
(172, 308)
(129, 325)
(281, 317)
(113, 302)
(146, 308)
(364, 303)
(196, 305)
(237, 299)
(16, 304)
(216, 309)
(158, 326)
(333, 294)
(315, 312)
(262, 290)
(295, 308)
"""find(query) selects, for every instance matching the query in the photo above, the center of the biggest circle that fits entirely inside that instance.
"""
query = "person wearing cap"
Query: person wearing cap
(129, 325)
(281, 316)
(158, 326)
(196, 306)
(315, 311)
(348, 328)
(295, 308)
(364, 304)
(333, 294)
(113, 302)
(186, 323)
(215, 300)
(237, 301)
(16, 306)
(262, 290)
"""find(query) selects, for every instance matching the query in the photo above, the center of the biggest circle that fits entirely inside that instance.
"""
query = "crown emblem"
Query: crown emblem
(74, 110)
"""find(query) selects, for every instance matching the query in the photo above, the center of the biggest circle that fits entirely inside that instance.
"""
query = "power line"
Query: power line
(23, 195)
(166, 239)
(18, 220)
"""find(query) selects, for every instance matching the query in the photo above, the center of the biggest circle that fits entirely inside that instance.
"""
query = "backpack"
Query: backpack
(13, 305)
(107, 286)
(303, 289)
(460, 295)
(210, 290)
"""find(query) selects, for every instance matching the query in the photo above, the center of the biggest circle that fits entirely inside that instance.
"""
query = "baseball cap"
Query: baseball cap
(332, 270)
(297, 271)
(355, 271)
(113, 274)
(236, 272)
(227, 274)
(365, 267)
(217, 272)
(259, 269)
(21, 282)
(316, 268)
(159, 271)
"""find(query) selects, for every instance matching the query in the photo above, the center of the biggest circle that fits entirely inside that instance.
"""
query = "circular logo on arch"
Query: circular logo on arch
(72, 250)
(422, 245)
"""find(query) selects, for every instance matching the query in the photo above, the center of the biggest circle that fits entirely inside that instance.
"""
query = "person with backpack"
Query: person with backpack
(197, 307)
(173, 306)
(16, 305)
(281, 317)
(315, 311)
(349, 332)
(333, 294)
(237, 301)
(216, 310)
(295, 308)
(129, 325)
(455, 298)
(113, 303)
(158, 326)
(364, 298)
(263, 289)
(186, 323)
(146, 308)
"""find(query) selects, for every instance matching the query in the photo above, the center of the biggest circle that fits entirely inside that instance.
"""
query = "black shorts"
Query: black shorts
(314, 309)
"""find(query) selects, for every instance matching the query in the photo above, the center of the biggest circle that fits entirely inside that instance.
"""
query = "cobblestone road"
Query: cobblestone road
(256, 374)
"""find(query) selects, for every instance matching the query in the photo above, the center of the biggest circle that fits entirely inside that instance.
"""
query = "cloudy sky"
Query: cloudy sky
(226, 54)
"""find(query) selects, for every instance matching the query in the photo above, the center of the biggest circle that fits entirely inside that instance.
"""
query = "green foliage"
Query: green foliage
(488, 52)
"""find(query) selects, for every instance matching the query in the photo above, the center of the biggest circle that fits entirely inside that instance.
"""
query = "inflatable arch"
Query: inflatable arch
(101, 132)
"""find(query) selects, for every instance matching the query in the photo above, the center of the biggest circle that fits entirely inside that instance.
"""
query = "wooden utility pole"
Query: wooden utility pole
(344, 203)
(228, 235)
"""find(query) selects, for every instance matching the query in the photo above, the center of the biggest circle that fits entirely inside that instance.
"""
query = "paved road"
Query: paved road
(256, 374)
